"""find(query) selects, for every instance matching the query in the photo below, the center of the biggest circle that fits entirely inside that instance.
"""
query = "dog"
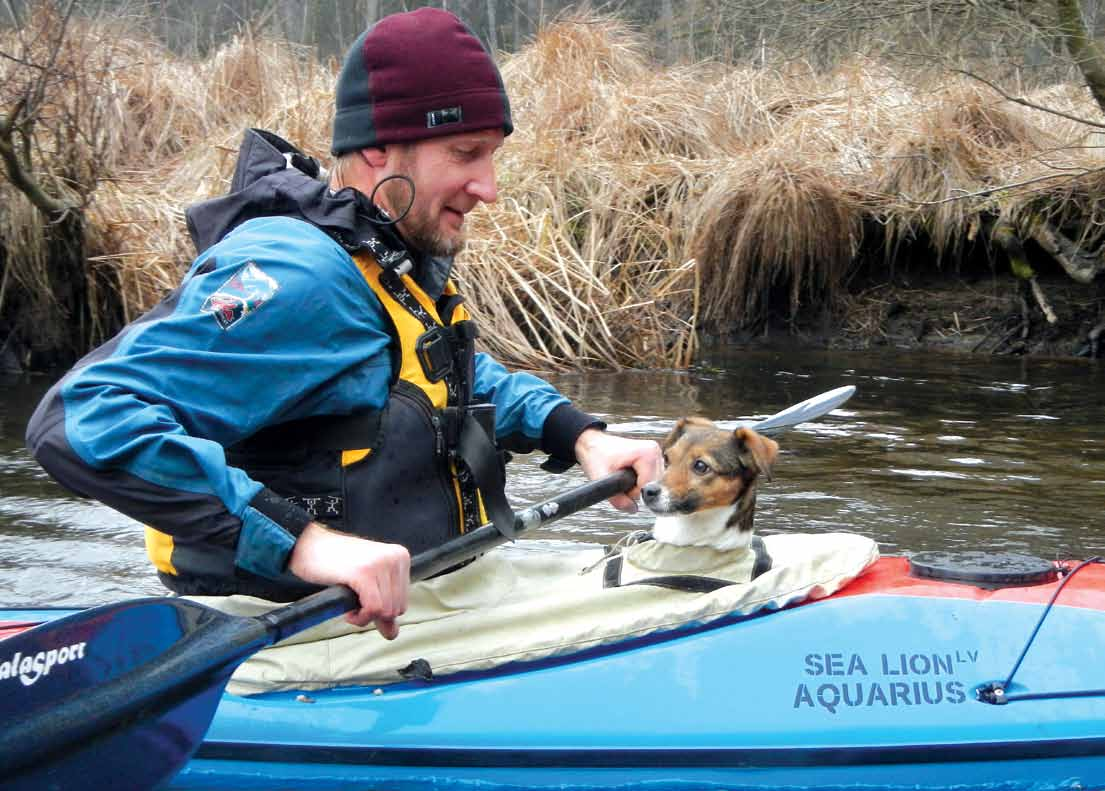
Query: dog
(706, 495)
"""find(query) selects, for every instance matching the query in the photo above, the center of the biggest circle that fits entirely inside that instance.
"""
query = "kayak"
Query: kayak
(939, 673)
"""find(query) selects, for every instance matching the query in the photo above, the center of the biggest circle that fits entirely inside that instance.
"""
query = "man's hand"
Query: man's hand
(378, 573)
(599, 454)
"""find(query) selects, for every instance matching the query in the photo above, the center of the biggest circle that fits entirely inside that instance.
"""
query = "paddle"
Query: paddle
(120, 696)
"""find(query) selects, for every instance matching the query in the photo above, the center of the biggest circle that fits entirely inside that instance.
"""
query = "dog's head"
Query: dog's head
(708, 467)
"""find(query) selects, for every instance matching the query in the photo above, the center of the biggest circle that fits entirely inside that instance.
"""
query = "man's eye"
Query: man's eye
(700, 467)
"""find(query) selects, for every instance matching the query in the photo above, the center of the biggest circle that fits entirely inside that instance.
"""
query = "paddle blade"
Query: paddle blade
(130, 682)
(802, 412)
(143, 753)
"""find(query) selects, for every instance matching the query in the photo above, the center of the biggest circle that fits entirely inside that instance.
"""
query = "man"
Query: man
(307, 409)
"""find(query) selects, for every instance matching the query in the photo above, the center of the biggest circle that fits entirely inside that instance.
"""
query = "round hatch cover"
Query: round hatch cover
(987, 569)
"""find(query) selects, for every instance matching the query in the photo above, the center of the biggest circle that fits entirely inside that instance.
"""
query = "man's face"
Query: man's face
(452, 175)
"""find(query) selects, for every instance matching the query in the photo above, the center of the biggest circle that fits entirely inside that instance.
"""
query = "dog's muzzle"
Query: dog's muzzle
(660, 501)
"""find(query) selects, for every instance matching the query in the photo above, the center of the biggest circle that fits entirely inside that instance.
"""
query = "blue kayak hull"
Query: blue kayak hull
(1006, 776)
(873, 688)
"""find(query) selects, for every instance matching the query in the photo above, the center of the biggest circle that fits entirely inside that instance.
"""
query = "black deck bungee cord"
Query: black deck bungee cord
(995, 692)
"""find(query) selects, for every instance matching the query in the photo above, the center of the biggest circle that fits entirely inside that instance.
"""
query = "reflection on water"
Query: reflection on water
(933, 452)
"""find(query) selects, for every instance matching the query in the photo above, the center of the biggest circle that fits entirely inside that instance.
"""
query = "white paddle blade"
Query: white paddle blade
(802, 412)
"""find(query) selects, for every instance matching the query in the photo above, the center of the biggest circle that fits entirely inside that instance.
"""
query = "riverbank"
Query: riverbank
(639, 202)
(991, 314)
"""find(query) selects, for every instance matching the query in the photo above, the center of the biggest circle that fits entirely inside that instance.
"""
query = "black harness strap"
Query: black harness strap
(476, 450)
(763, 558)
(689, 583)
(612, 573)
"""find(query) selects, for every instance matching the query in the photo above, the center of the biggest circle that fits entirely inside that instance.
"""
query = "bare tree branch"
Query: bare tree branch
(985, 193)
(1026, 103)
(1082, 266)
(17, 172)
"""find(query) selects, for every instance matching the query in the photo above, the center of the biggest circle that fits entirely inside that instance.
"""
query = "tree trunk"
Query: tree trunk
(70, 309)
(667, 20)
(492, 28)
(1082, 47)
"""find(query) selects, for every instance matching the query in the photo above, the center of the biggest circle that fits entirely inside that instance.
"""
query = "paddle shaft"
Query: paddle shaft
(339, 599)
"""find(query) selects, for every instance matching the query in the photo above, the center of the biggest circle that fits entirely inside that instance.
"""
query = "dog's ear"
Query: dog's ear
(681, 427)
(757, 449)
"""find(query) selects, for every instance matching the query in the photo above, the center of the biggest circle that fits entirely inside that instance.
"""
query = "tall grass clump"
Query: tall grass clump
(191, 148)
(936, 173)
(770, 224)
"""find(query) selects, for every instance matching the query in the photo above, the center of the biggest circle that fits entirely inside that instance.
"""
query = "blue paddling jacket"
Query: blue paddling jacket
(309, 366)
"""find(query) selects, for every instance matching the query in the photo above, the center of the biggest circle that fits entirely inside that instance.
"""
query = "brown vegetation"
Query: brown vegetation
(638, 203)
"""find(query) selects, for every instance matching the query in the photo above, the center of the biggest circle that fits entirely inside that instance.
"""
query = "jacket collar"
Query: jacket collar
(273, 178)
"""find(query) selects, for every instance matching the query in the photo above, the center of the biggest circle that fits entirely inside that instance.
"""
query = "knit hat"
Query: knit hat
(417, 75)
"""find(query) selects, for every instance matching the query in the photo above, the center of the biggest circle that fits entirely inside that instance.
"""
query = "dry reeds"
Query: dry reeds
(774, 222)
(958, 147)
(638, 202)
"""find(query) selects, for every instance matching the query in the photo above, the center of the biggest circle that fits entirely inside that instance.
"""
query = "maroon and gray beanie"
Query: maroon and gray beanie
(416, 75)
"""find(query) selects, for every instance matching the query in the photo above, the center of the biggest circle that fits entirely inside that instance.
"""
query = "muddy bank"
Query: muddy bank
(988, 314)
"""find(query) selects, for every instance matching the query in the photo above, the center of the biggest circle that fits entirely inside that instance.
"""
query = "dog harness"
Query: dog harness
(690, 583)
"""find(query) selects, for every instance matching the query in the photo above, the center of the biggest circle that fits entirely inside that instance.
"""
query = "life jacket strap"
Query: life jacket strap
(476, 450)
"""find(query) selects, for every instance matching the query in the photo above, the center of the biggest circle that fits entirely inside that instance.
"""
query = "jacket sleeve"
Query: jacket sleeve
(530, 413)
(272, 324)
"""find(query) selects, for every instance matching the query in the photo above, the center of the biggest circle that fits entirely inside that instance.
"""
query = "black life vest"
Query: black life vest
(418, 472)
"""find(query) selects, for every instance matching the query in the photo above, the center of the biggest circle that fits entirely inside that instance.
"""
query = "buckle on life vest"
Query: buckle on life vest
(452, 423)
(435, 353)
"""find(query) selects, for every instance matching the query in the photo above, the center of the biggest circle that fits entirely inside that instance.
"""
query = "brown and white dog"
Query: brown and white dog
(706, 495)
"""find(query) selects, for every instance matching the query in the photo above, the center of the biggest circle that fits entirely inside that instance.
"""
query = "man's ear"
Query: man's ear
(375, 158)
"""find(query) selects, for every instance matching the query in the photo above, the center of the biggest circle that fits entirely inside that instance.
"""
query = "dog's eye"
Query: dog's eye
(664, 456)
(700, 467)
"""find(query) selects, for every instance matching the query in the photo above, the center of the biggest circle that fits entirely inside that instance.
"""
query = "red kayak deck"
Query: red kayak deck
(891, 576)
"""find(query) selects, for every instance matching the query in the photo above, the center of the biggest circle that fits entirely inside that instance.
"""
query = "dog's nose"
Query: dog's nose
(650, 491)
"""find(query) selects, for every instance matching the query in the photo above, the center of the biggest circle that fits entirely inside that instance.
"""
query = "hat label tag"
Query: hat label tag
(446, 115)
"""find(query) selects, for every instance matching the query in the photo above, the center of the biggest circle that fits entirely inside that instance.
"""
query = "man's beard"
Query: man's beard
(417, 227)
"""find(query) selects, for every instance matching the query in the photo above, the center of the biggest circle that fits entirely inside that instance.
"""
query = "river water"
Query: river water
(933, 452)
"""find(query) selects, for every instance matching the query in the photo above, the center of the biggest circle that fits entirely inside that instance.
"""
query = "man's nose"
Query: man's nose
(483, 185)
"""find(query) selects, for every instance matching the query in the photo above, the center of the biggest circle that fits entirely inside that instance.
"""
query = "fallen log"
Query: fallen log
(1082, 266)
